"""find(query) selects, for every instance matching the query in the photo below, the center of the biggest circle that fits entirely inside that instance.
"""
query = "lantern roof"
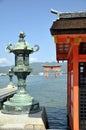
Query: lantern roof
(21, 44)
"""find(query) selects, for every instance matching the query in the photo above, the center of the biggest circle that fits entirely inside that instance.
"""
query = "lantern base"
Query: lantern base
(21, 104)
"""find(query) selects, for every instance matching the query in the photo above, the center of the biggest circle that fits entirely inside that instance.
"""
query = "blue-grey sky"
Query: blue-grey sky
(35, 19)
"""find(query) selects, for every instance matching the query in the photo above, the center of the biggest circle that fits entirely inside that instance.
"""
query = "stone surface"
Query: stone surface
(27, 121)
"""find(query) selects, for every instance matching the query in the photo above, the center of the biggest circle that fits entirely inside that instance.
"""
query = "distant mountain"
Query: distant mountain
(4, 69)
(37, 67)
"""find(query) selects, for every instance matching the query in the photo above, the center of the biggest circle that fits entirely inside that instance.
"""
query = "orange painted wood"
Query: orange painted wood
(67, 38)
(71, 43)
(75, 89)
(49, 67)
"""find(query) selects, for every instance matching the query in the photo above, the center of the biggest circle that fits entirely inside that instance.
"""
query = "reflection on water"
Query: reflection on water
(51, 93)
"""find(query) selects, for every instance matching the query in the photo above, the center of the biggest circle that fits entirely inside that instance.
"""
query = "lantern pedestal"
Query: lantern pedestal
(21, 104)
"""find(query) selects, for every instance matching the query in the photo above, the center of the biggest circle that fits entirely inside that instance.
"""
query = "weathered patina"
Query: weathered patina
(21, 102)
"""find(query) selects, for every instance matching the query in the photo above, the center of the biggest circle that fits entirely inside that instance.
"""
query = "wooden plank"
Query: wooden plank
(5, 92)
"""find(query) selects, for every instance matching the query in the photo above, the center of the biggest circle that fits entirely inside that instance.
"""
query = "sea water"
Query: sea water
(51, 93)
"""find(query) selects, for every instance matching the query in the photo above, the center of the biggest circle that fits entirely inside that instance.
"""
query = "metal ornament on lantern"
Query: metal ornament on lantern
(21, 102)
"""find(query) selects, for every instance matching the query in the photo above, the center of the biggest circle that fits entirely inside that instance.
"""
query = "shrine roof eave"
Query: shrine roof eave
(69, 26)
(67, 31)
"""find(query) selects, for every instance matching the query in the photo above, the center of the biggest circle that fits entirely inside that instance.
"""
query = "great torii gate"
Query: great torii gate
(69, 33)
(49, 67)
